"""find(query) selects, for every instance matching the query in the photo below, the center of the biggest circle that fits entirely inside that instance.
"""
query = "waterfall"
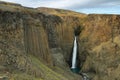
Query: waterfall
(74, 67)
(74, 54)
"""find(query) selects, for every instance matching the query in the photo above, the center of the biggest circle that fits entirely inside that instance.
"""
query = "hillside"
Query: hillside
(59, 12)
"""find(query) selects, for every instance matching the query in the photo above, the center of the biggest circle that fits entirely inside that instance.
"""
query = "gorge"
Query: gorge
(36, 44)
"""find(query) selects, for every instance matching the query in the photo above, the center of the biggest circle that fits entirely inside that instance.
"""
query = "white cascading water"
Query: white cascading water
(74, 54)
(74, 58)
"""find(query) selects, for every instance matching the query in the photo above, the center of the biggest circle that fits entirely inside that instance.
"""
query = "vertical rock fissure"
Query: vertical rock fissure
(75, 68)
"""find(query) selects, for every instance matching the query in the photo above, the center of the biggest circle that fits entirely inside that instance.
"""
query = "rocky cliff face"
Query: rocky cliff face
(38, 43)
(27, 43)
(101, 40)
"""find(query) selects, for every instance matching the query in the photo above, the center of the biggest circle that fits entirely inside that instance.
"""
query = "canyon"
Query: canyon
(37, 43)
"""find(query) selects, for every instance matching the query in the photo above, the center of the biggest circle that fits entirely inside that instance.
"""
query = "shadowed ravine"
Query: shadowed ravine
(74, 67)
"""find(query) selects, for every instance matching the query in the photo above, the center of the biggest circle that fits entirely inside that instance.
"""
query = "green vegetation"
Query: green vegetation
(23, 76)
(47, 73)
(36, 71)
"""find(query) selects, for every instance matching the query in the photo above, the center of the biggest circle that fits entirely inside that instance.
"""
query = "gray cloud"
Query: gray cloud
(70, 4)
(96, 4)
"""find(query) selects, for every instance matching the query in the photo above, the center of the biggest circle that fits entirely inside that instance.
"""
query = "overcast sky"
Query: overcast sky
(84, 6)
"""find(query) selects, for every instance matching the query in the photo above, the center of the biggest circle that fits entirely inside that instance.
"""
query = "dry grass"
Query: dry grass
(60, 12)
(105, 63)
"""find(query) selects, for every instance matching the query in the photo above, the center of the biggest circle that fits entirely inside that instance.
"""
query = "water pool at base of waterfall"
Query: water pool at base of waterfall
(75, 70)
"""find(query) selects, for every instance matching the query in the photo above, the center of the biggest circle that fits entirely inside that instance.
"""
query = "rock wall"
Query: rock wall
(26, 32)
(99, 41)
(101, 27)
(36, 38)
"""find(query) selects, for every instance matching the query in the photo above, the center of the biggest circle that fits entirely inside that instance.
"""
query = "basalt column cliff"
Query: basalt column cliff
(36, 44)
